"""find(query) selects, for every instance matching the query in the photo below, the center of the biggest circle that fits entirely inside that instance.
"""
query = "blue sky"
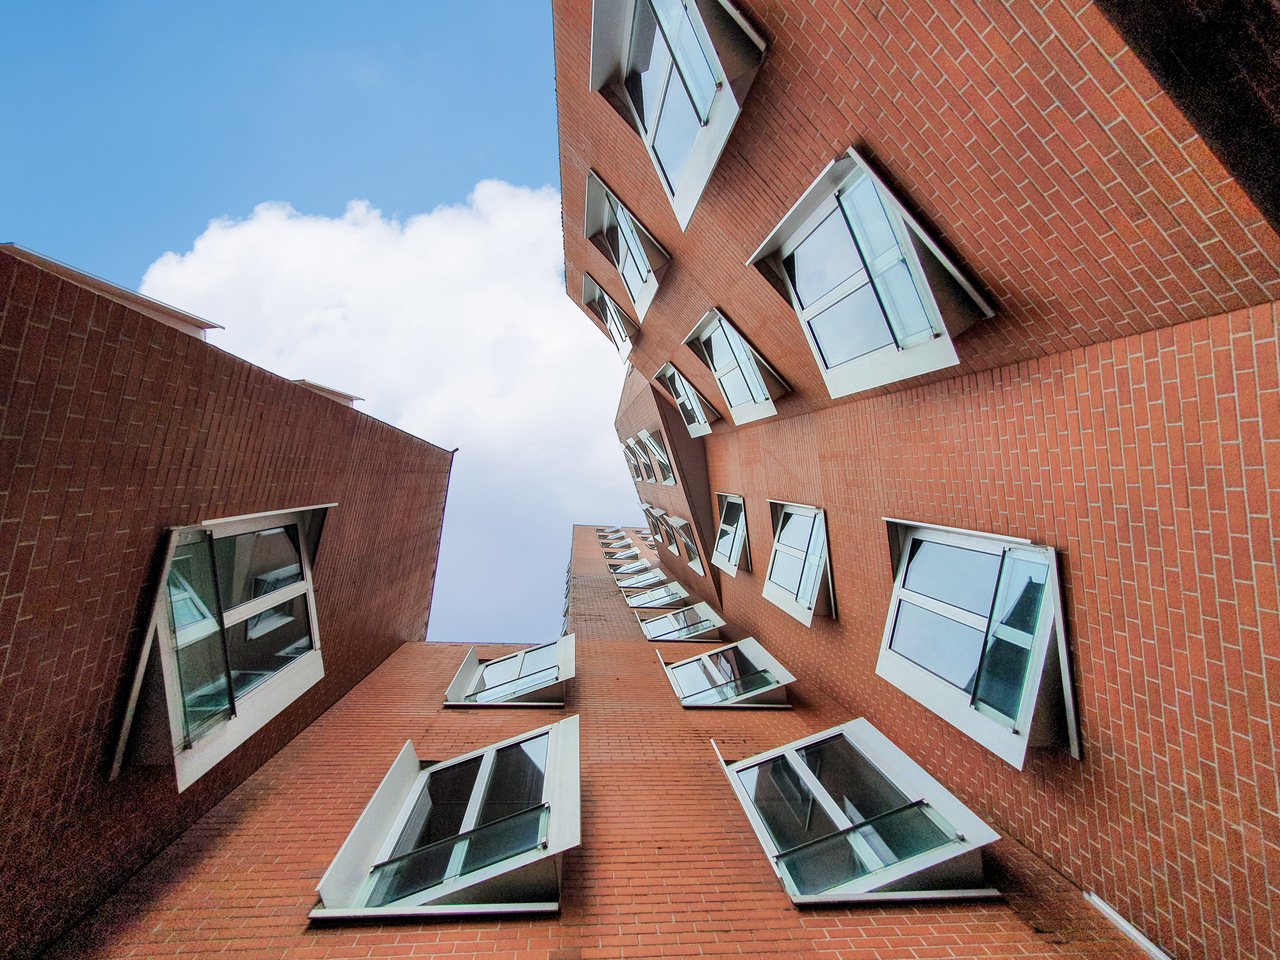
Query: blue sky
(340, 185)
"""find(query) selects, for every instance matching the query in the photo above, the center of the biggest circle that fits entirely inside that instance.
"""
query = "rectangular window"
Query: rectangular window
(620, 327)
(799, 575)
(685, 538)
(975, 633)
(617, 234)
(877, 299)
(747, 383)
(844, 815)
(696, 413)
(688, 623)
(532, 677)
(658, 455)
(738, 674)
(731, 548)
(473, 834)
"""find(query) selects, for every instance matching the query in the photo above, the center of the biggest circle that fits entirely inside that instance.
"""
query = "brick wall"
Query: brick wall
(114, 427)
(668, 866)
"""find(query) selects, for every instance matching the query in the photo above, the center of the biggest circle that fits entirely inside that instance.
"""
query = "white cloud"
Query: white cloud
(455, 326)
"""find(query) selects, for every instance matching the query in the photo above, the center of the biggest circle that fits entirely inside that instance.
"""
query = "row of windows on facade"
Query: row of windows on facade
(876, 298)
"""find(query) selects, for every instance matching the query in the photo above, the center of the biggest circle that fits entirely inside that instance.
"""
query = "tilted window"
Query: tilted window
(640, 260)
(696, 413)
(235, 626)
(620, 327)
(677, 71)
(747, 383)
(685, 534)
(667, 595)
(731, 548)
(481, 833)
(688, 623)
(799, 576)
(532, 677)
(976, 633)
(658, 455)
(877, 299)
(736, 675)
(844, 815)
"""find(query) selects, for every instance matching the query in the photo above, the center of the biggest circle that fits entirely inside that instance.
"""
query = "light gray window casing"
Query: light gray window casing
(757, 384)
(734, 51)
(732, 535)
(696, 413)
(549, 692)
(1046, 712)
(950, 302)
(620, 327)
(772, 695)
(820, 598)
(615, 232)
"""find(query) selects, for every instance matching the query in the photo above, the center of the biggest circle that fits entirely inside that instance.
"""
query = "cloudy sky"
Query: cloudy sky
(367, 198)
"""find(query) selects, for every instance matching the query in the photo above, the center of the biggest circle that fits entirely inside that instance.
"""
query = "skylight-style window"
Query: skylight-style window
(480, 833)
(844, 815)
(677, 71)
(658, 455)
(696, 413)
(799, 577)
(976, 633)
(731, 548)
(736, 675)
(620, 327)
(532, 677)
(746, 381)
(688, 623)
(877, 299)
(617, 234)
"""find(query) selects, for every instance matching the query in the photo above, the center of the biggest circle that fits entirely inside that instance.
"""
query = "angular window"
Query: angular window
(747, 383)
(799, 576)
(658, 455)
(684, 533)
(619, 326)
(667, 595)
(731, 548)
(975, 633)
(737, 675)
(481, 833)
(844, 815)
(641, 262)
(235, 625)
(643, 578)
(688, 623)
(677, 71)
(696, 413)
(877, 299)
(532, 677)
(642, 458)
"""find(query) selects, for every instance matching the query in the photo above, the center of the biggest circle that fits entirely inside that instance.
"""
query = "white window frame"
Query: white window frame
(658, 455)
(733, 50)
(821, 600)
(604, 213)
(343, 888)
(665, 627)
(773, 695)
(1046, 712)
(642, 458)
(953, 871)
(548, 693)
(668, 594)
(950, 302)
(739, 555)
(697, 414)
(765, 384)
(685, 538)
(641, 578)
(620, 327)
(251, 710)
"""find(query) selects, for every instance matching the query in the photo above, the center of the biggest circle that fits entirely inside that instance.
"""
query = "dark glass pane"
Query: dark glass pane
(254, 564)
(267, 642)
(823, 260)
(854, 783)
(516, 782)
(441, 807)
(789, 810)
(678, 128)
(963, 578)
(940, 645)
(851, 327)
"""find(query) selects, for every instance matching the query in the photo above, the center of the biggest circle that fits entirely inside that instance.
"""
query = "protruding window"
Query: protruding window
(658, 455)
(731, 549)
(844, 815)
(677, 71)
(684, 533)
(696, 413)
(746, 381)
(688, 623)
(741, 674)
(620, 327)
(532, 677)
(640, 260)
(481, 833)
(976, 633)
(877, 299)
(799, 576)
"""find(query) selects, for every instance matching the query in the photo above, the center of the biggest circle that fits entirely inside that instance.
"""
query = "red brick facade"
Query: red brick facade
(116, 427)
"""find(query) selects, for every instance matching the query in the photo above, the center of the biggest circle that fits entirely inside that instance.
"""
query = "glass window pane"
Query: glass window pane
(506, 838)
(955, 575)
(1008, 653)
(678, 128)
(940, 645)
(824, 259)
(649, 62)
(785, 571)
(267, 642)
(254, 564)
(854, 782)
(904, 833)
(1004, 674)
(826, 864)
(516, 782)
(851, 327)
(788, 808)
(539, 658)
